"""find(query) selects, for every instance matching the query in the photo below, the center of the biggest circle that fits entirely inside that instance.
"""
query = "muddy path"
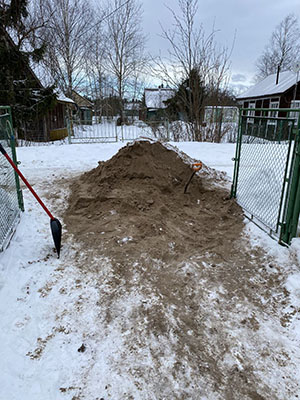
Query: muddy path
(178, 280)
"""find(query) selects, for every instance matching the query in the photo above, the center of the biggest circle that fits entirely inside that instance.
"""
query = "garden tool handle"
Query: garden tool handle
(197, 166)
(2, 150)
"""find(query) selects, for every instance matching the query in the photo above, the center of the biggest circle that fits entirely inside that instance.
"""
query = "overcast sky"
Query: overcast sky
(253, 21)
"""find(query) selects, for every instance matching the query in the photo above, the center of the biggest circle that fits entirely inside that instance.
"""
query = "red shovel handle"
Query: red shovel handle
(3, 151)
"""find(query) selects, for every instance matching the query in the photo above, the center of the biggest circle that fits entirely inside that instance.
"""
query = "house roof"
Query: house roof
(81, 101)
(155, 98)
(267, 86)
(64, 99)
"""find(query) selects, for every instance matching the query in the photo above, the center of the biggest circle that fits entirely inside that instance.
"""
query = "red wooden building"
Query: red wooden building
(274, 91)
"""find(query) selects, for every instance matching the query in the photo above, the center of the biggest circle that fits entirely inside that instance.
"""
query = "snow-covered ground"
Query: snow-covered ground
(47, 309)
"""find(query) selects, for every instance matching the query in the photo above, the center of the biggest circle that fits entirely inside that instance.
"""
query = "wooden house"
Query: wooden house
(275, 91)
(50, 126)
(56, 119)
(84, 108)
(53, 125)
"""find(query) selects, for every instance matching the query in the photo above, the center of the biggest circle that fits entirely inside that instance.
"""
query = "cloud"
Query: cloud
(238, 78)
(238, 88)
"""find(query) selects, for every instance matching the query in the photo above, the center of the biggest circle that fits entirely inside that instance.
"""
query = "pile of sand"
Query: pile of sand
(134, 204)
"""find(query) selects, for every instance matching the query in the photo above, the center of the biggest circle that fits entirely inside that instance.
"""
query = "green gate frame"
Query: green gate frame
(12, 143)
(289, 208)
(7, 136)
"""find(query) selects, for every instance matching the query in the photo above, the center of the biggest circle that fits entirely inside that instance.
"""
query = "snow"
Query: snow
(65, 99)
(48, 310)
(268, 86)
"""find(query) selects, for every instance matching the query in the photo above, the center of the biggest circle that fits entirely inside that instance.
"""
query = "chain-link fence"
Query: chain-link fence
(10, 193)
(264, 164)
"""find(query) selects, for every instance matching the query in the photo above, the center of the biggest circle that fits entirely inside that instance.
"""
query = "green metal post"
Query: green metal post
(237, 157)
(14, 157)
(292, 205)
(285, 180)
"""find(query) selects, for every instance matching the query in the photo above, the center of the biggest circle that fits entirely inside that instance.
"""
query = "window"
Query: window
(251, 113)
(273, 114)
(294, 114)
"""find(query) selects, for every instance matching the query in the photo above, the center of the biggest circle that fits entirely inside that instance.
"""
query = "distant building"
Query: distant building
(84, 108)
(132, 109)
(155, 102)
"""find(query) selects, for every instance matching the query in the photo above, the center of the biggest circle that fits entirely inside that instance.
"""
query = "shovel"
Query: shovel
(54, 222)
(196, 168)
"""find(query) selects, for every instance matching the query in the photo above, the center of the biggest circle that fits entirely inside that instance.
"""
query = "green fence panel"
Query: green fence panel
(11, 200)
(264, 166)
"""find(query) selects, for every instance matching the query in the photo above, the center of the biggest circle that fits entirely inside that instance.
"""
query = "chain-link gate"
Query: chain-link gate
(265, 168)
(11, 200)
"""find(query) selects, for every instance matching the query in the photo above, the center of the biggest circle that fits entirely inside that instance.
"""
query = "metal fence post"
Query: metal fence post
(168, 130)
(18, 187)
(292, 204)
(14, 157)
(122, 132)
(11, 199)
(69, 131)
(237, 157)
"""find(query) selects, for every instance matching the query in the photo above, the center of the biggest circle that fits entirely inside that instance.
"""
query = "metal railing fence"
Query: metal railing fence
(11, 200)
(109, 130)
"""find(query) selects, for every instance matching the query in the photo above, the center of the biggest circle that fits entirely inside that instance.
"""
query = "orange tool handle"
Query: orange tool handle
(197, 166)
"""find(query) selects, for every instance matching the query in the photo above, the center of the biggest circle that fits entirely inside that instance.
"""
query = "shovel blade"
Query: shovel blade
(56, 234)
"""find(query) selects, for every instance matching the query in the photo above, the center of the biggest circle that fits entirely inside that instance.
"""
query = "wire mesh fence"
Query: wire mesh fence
(10, 193)
(264, 164)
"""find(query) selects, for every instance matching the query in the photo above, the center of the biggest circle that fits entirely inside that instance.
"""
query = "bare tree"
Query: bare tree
(68, 37)
(125, 45)
(95, 76)
(194, 60)
(282, 49)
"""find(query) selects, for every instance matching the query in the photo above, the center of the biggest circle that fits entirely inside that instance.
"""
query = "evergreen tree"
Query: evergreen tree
(188, 100)
(19, 87)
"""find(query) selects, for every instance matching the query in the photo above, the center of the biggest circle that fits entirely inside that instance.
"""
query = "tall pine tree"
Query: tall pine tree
(19, 87)
(188, 102)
